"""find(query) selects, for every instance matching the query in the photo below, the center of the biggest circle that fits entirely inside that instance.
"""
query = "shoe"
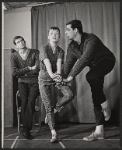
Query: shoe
(30, 137)
(54, 138)
(27, 134)
(94, 136)
(46, 120)
(106, 110)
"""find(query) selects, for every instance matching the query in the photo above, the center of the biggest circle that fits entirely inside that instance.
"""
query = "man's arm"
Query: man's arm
(17, 71)
(87, 56)
(69, 63)
(35, 69)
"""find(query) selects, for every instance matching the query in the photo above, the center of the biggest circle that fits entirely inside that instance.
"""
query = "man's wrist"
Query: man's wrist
(69, 78)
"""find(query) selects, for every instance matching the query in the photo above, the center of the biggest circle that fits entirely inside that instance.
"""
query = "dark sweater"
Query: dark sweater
(89, 53)
(20, 67)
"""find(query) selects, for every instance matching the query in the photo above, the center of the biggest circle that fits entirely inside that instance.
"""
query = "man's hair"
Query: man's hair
(54, 28)
(17, 37)
(76, 24)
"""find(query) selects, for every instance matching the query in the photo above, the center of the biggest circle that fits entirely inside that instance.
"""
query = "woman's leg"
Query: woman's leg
(46, 95)
(67, 97)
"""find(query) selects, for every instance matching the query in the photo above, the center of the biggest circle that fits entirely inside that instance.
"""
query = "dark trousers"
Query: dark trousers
(28, 94)
(95, 78)
(47, 98)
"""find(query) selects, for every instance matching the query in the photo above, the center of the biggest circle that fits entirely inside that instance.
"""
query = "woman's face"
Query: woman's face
(53, 35)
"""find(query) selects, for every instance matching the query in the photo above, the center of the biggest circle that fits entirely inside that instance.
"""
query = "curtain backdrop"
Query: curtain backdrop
(100, 18)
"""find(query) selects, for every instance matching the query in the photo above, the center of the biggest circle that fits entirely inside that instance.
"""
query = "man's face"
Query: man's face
(20, 43)
(53, 35)
(70, 32)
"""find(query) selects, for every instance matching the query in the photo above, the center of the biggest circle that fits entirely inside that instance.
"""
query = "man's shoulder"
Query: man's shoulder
(14, 53)
(90, 35)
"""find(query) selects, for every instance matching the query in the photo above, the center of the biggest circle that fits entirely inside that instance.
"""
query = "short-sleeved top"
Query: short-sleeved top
(47, 52)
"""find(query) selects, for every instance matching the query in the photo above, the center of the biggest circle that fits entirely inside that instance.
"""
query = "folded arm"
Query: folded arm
(16, 71)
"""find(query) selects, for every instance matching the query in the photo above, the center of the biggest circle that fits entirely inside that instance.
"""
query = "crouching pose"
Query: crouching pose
(51, 59)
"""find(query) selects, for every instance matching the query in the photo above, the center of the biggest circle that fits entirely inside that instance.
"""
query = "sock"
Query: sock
(53, 132)
(99, 129)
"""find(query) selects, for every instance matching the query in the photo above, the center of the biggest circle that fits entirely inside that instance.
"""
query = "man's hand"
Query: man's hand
(69, 78)
(59, 81)
(64, 82)
(32, 68)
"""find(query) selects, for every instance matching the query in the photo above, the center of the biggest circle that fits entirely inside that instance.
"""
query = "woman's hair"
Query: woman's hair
(54, 28)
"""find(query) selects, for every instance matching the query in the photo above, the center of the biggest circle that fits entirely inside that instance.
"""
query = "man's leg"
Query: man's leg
(23, 90)
(33, 94)
(95, 78)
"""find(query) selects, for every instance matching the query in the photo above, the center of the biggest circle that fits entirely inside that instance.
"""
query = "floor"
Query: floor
(69, 134)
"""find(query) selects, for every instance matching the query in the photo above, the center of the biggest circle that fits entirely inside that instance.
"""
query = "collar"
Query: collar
(82, 40)
(56, 49)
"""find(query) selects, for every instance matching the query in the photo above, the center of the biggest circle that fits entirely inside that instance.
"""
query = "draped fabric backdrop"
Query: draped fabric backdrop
(100, 18)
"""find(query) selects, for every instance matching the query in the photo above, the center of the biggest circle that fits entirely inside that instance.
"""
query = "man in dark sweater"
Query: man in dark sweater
(25, 66)
(88, 50)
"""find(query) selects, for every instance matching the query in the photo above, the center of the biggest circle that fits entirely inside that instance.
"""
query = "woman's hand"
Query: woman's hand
(57, 78)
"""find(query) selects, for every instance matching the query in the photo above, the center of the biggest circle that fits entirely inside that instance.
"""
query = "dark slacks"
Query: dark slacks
(28, 94)
(95, 78)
